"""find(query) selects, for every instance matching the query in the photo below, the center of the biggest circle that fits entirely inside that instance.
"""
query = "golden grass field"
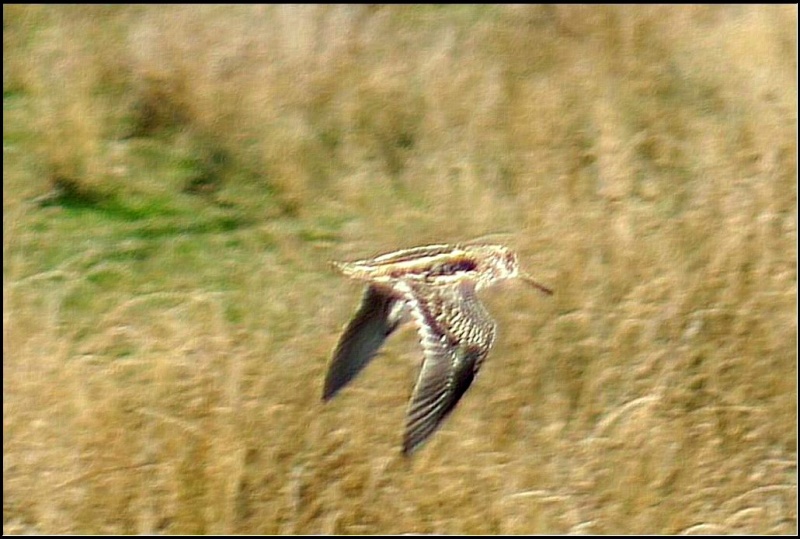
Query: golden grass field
(176, 180)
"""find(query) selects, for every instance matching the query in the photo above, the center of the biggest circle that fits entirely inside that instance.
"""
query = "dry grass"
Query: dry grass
(175, 180)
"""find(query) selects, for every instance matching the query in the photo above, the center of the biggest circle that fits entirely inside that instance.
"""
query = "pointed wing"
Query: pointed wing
(377, 317)
(456, 334)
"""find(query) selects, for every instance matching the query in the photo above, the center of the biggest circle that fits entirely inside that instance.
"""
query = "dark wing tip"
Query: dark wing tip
(341, 370)
(408, 449)
(328, 391)
(333, 382)
(413, 440)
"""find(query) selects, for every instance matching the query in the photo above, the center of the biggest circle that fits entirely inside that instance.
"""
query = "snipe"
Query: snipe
(436, 284)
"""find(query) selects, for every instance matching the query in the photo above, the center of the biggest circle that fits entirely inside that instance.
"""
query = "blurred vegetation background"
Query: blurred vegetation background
(176, 179)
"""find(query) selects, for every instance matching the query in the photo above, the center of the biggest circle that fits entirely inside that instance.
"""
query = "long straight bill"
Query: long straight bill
(528, 279)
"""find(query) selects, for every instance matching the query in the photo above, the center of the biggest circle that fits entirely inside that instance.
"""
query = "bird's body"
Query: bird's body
(436, 285)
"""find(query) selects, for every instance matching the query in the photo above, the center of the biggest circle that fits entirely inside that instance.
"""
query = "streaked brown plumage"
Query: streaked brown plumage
(436, 285)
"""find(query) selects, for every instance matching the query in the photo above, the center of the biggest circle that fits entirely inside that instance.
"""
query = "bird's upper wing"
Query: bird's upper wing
(377, 317)
(456, 334)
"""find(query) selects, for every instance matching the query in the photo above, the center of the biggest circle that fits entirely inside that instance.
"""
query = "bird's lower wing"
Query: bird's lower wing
(456, 334)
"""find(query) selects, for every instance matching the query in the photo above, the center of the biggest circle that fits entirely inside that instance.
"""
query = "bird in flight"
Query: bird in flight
(436, 286)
